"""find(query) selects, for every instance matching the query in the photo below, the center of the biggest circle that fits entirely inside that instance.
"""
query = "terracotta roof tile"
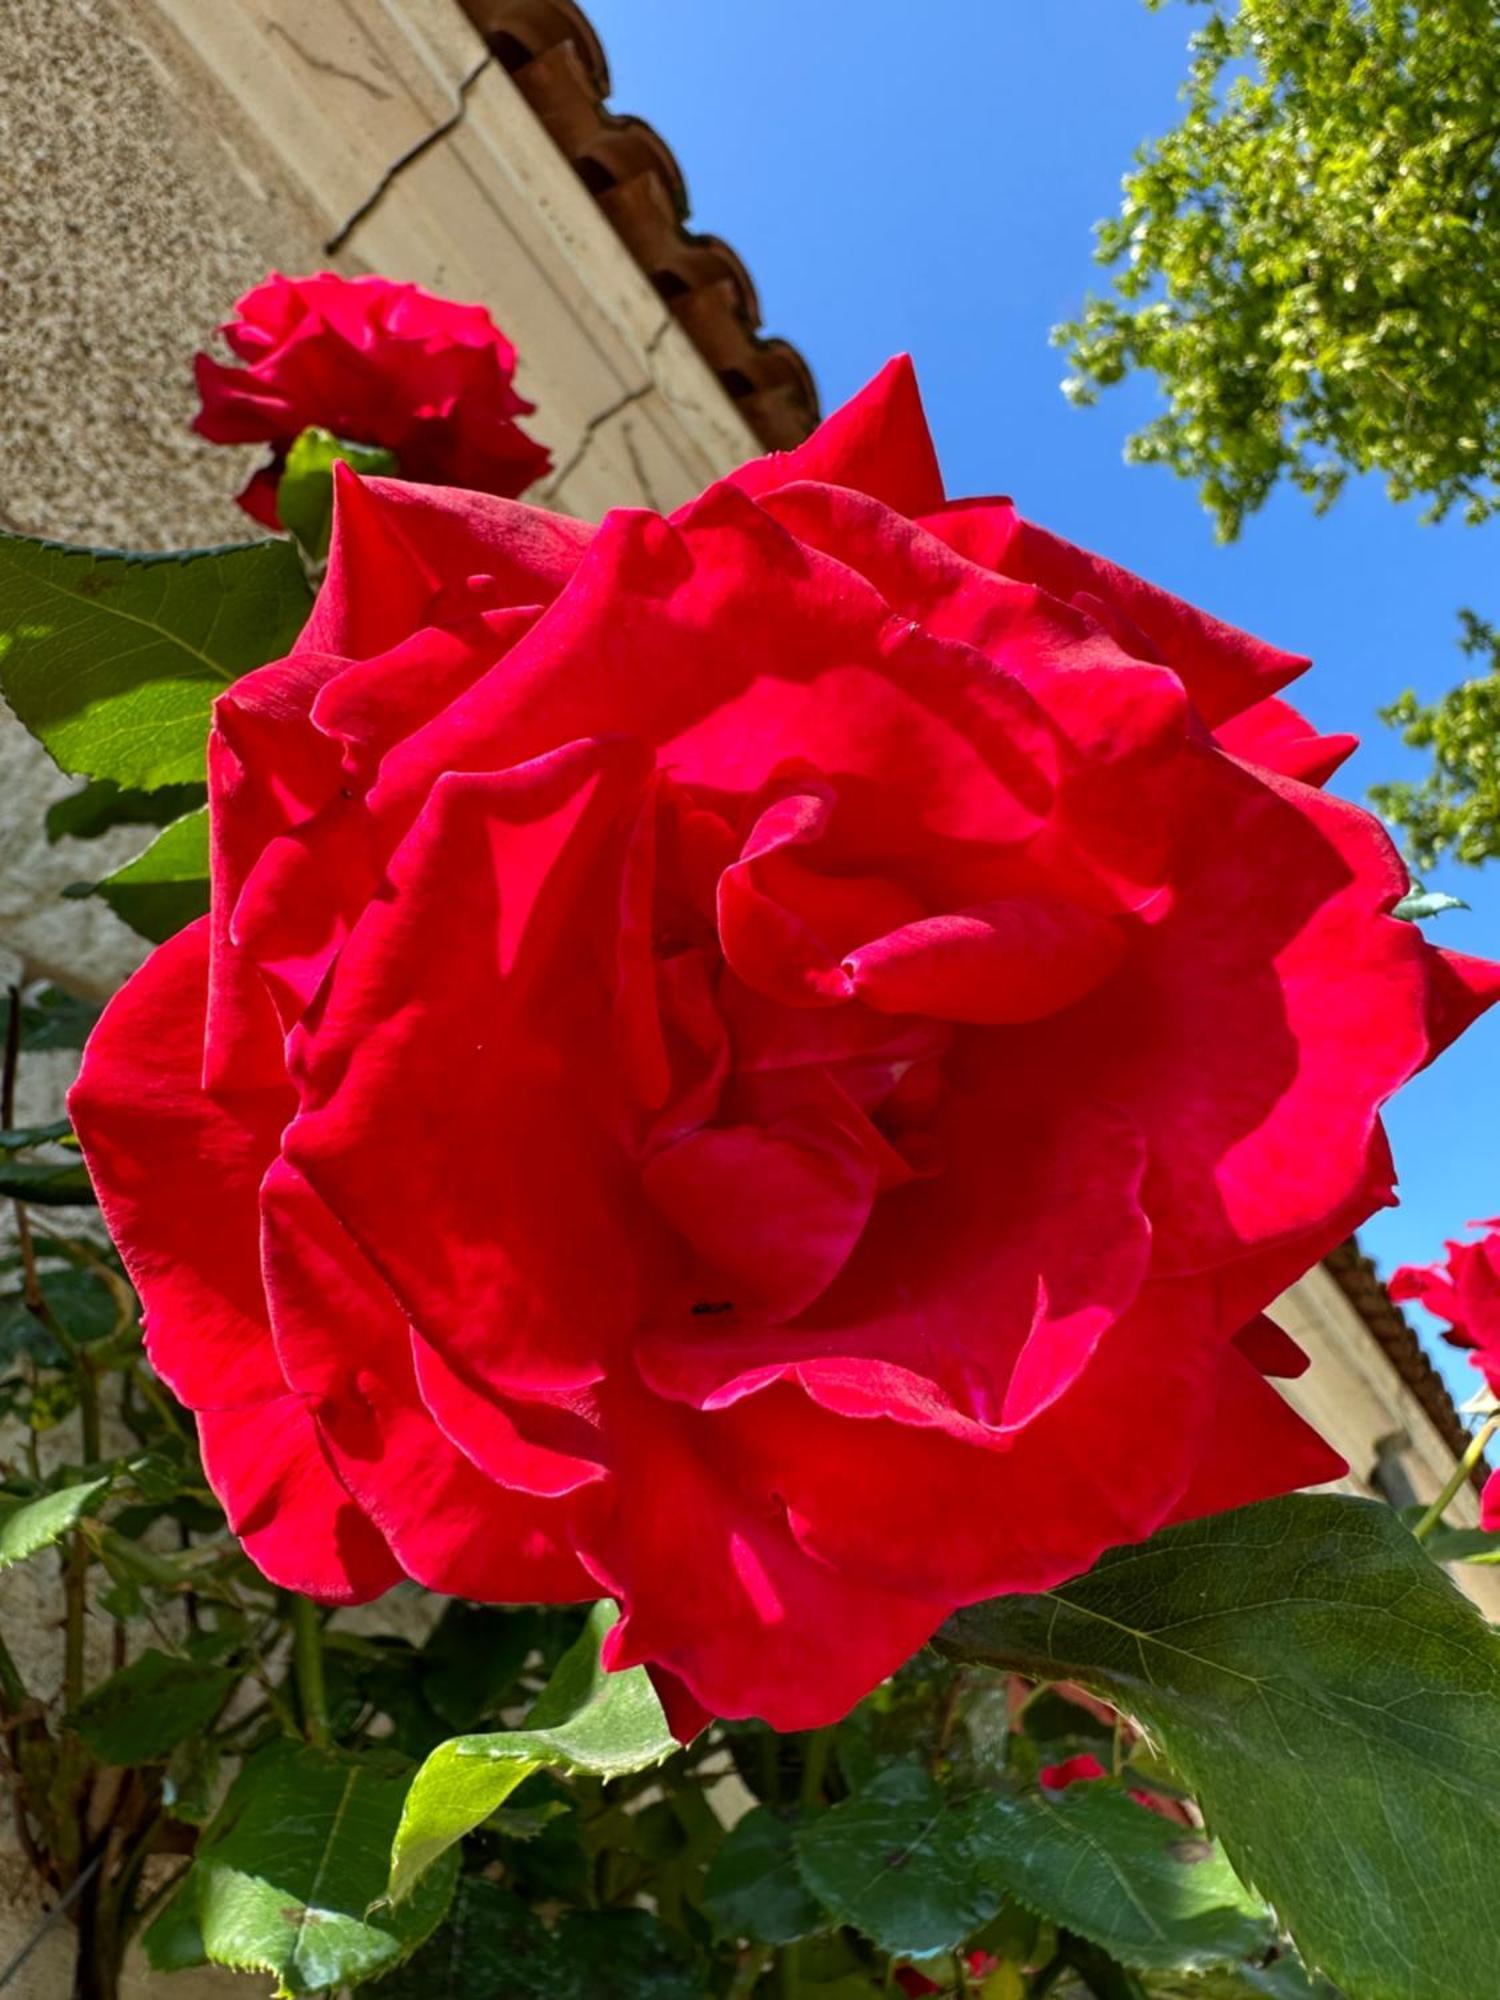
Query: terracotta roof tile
(558, 64)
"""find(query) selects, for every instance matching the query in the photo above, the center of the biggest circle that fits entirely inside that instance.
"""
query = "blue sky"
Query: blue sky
(927, 178)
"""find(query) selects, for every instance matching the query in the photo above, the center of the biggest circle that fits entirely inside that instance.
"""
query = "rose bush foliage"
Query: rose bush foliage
(377, 363)
(764, 1063)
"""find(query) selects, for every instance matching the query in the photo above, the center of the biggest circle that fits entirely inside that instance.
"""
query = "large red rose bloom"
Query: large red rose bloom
(376, 363)
(764, 1063)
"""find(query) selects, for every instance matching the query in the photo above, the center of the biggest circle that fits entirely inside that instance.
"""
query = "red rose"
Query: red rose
(1464, 1289)
(763, 1064)
(375, 363)
(1081, 1770)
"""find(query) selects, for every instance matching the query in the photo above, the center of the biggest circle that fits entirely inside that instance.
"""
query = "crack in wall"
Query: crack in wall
(638, 466)
(409, 158)
(322, 64)
(607, 415)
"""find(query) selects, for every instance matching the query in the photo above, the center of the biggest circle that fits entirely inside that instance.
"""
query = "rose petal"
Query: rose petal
(716, 1591)
(877, 442)
(1224, 670)
(1002, 963)
(442, 1029)
(1253, 1445)
(774, 1212)
(177, 1172)
(1273, 734)
(343, 1339)
(296, 1520)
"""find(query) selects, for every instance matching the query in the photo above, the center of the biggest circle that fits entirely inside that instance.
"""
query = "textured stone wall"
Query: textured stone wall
(129, 222)
(131, 216)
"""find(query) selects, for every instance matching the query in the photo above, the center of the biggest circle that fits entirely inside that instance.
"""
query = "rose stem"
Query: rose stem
(1461, 1471)
(307, 1658)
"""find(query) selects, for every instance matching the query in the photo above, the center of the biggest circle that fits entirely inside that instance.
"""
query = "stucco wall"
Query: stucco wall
(128, 222)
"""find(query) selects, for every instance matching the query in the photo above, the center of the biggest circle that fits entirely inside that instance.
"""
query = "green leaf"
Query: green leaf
(473, 1658)
(919, 1869)
(48, 1183)
(1448, 1544)
(160, 1475)
(584, 1720)
(23, 1332)
(19, 1137)
(304, 496)
(166, 887)
(1418, 904)
(1471, 1545)
(27, 1526)
(57, 1020)
(173, 1941)
(114, 661)
(287, 1878)
(900, 1864)
(100, 805)
(150, 1706)
(495, 1946)
(1333, 1702)
(1155, 1895)
(77, 1301)
(191, 1783)
(755, 1888)
(81, 1303)
(526, 1822)
(1286, 1979)
(1099, 1976)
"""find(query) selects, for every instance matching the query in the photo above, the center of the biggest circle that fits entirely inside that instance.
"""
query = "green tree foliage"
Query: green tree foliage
(1456, 807)
(1310, 262)
(1310, 266)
